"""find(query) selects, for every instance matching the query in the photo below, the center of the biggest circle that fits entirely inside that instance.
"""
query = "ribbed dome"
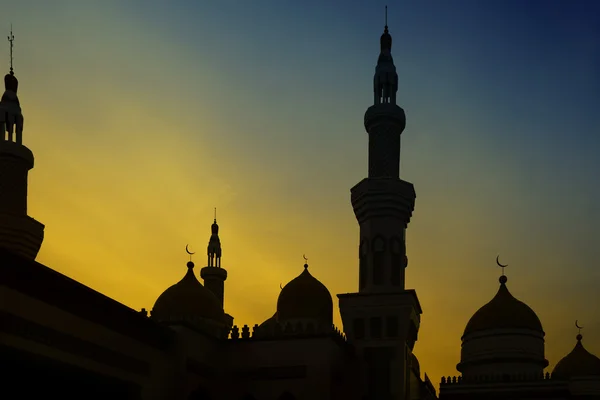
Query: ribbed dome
(305, 298)
(579, 362)
(503, 312)
(187, 299)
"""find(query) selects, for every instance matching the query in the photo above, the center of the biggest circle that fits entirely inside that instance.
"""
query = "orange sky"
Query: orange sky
(137, 139)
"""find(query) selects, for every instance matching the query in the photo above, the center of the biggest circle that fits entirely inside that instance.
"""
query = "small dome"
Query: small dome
(187, 299)
(579, 362)
(503, 312)
(305, 298)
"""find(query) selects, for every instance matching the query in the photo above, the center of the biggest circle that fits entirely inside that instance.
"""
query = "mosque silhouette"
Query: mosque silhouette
(61, 339)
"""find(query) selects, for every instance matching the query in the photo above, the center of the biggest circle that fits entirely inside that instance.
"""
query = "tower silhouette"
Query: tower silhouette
(214, 276)
(382, 319)
(18, 231)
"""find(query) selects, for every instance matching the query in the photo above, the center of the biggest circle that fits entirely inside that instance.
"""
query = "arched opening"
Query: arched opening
(378, 255)
(397, 257)
(363, 253)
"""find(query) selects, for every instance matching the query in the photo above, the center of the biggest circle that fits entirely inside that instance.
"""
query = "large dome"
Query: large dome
(187, 300)
(305, 298)
(503, 312)
(578, 363)
(504, 337)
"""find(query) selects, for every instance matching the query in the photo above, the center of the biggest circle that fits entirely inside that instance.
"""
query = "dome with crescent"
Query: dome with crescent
(187, 300)
(505, 336)
(578, 363)
(504, 311)
(306, 299)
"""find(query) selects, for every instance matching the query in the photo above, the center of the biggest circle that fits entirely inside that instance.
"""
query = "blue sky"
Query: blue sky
(144, 115)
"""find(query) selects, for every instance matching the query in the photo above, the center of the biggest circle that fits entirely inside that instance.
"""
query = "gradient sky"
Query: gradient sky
(144, 115)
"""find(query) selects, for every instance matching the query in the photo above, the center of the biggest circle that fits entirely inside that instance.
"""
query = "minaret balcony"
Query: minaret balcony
(383, 197)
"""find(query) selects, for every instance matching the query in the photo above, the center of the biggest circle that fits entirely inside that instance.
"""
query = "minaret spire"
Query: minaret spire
(385, 82)
(11, 39)
(213, 274)
(18, 232)
(386, 27)
(214, 245)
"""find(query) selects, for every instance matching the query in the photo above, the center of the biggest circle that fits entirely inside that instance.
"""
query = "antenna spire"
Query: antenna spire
(11, 39)
(386, 16)
(215, 214)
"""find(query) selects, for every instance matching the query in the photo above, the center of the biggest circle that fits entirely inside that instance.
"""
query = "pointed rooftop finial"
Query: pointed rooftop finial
(386, 38)
(305, 261)
(386, 26)
(11, 39)
(579, 336)
(215, 214)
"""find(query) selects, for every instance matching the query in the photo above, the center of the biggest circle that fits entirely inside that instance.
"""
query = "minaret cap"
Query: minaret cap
(10, 81)
(214, 245)
(386, 38)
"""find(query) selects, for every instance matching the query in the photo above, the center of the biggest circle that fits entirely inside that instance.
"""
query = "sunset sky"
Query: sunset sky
(144, 115)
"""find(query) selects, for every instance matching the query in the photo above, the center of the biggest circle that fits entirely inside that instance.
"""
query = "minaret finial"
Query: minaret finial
(386, 17)
(11, 39)
(305, 261)
(215, 214)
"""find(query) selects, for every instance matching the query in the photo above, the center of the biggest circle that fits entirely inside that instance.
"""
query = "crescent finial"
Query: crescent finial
(577, 325)
(501, 265)
(280, 286)
(304, 256)
(187, 250)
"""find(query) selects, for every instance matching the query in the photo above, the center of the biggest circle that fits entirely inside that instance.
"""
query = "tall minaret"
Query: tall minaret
(382, 319)
(18, 232)
(214, 276)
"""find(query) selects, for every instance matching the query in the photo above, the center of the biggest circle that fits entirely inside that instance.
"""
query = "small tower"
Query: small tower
(18, 232)
(214, 276)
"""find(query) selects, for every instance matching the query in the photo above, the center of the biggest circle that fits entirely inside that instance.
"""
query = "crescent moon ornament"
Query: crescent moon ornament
(501, 266)
(187, 250)
(498, 262)
(577, 325)
(304, 256)
(280, 286)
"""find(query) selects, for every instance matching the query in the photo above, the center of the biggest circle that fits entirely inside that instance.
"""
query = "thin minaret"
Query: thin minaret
(384, 336)
(213, 274)
(19, 233)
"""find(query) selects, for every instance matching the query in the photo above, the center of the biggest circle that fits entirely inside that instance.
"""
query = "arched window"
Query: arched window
(378, 258)
(363, 253)
(397, 264)
(286, 396)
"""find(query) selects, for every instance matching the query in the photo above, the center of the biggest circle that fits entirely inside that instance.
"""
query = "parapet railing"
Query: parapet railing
(289, 330)
(457, 380)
